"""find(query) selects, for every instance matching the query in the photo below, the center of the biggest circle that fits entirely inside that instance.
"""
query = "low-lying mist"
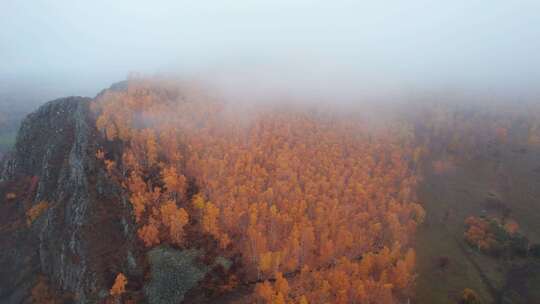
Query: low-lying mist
(311, 50)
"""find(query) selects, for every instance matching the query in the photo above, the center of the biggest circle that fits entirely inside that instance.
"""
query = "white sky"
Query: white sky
(86, 45)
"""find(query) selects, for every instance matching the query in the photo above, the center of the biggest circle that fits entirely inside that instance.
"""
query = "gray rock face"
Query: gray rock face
(85, 236)
(173, 274)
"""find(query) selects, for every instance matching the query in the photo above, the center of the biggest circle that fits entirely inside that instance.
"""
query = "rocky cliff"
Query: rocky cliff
(61, 217)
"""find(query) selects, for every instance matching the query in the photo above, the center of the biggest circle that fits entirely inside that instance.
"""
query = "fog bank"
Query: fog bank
(320, 47)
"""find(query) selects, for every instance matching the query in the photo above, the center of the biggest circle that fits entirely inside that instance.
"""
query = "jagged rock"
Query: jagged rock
(87, 234)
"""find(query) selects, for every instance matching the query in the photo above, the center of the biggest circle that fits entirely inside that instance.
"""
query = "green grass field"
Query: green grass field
(451, 197)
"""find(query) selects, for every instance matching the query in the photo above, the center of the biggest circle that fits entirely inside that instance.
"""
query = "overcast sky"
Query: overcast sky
(86, 45)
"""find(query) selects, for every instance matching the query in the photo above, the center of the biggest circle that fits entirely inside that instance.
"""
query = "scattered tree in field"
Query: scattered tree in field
(479, 233)
(511, 226)
(443, 262)
(493, 237)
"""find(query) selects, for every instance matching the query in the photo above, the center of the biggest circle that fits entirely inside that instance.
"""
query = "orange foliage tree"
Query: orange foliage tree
(479, 233)
(119, 286)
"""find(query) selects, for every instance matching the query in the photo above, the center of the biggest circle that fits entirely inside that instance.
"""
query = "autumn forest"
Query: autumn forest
(312, 207)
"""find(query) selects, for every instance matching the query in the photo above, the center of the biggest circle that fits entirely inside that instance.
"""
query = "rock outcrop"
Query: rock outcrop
(85, 234)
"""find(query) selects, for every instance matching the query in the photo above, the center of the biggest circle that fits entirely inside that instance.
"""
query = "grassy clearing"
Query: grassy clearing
(450, 198)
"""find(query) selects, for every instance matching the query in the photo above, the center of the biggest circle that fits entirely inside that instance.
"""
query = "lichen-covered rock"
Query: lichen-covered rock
(173, 274)
(87, 234)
